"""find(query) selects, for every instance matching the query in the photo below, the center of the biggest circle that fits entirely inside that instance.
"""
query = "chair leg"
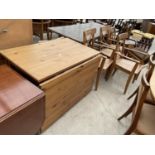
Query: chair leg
(129, 131)
(135, 78)
(98, 78)
(127, 83)
(107, 73)
(132, 94)
(114, 72)
(48, 35)
(127, 112)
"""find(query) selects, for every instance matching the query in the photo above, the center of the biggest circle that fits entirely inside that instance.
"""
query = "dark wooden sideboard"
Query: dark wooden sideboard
(21, 104)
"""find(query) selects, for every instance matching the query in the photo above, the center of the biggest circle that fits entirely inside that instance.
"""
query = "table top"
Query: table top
(75, 32)
(15, 92)
(45, 60)
(152, 84)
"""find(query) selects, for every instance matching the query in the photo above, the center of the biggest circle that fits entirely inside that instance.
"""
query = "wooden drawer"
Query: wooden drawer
(66, 89)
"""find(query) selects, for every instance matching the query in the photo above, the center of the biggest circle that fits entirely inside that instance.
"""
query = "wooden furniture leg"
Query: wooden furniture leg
(99, 74)
(133, 94)
(128, 111)
(129, 78)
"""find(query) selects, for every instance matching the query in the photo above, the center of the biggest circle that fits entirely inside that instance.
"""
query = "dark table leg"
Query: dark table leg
(49, 34)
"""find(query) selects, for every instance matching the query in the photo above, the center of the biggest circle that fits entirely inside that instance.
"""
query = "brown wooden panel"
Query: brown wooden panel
(26, 121)
(21, 104)
(14, 89)
(15, 32)
(63, 91)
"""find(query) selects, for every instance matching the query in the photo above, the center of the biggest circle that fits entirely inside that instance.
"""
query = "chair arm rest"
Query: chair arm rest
(103, 45)
(114, 40)
(136, 51)
(123, 56)
(104, 57)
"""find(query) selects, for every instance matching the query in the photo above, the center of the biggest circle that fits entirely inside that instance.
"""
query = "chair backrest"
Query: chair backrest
(104, 33)
(107, 34)
(111, 35)
(121, 40)
(141, 96)
(88, 37)
(123, 36)
(111, 22)
(151, 67)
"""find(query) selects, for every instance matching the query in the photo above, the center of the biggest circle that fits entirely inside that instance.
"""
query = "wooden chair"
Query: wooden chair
(149, 98)
(123, 62)
(105, 64)
(88, 37)
(140, 52)
(127, 65)
(142, 114)
(105, 42)
(120, 61)
(40, 26)
(124, 41)
(121, 41)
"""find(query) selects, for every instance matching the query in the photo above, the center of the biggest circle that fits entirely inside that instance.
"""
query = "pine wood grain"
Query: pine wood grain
(63, 91)
(45, 60)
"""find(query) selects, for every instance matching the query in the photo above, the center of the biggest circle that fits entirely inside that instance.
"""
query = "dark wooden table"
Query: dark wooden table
(22, 104)
(75, 32)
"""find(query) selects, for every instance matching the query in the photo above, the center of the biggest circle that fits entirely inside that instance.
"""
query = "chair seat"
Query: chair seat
(149, 98)
(125, 64)
(107, 52)
(146, 123)
(107, 64)
(112, 46)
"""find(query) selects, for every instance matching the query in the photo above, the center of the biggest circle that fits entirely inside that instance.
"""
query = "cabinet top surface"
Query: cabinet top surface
(44, 60)
(15, 91)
